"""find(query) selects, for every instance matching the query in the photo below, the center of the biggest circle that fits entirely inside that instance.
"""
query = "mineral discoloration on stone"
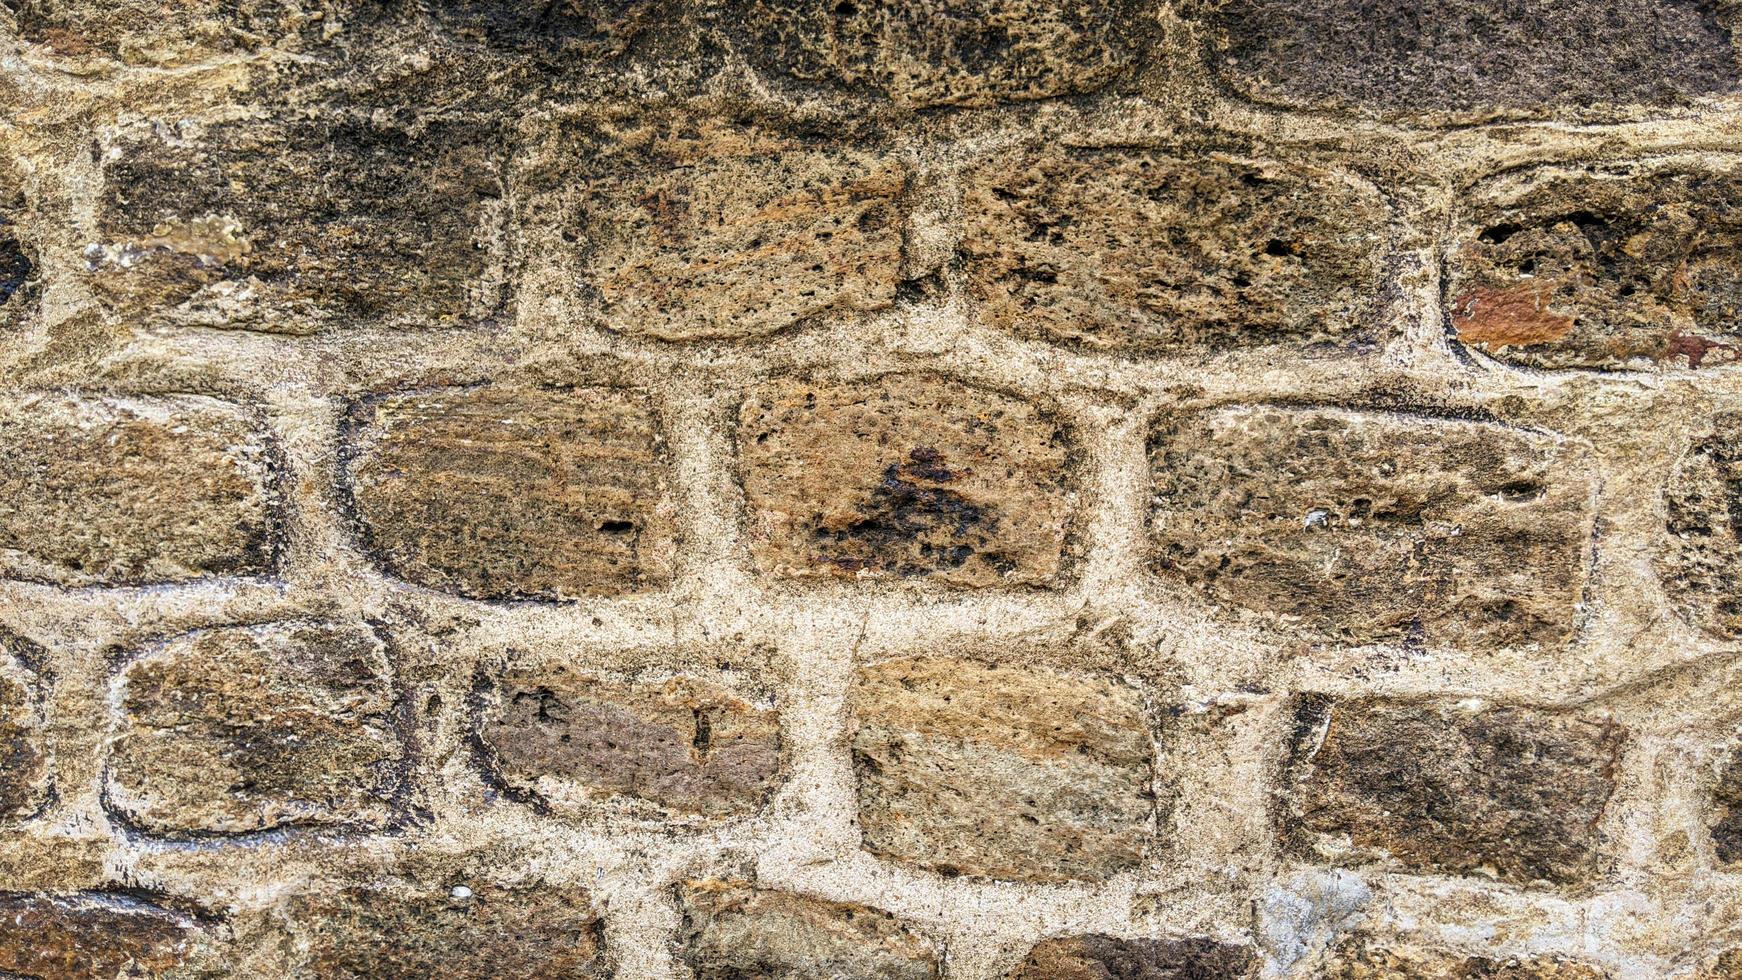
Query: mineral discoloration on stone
(1001, 772)
(1358, 959)
(240, 729)
(685, 745)
(1140, 252)
(24, 770)
(1700, 559)
(91, 936)
(908, 477)
(1601, 269)
(1471, 58)
(1510, 792)
(1727, 812)
(463, 929)
(1364, 527)
(113, 491)
(732, 930)
(500, 493)
(1107, 958)
(143, 33)
(297, 226)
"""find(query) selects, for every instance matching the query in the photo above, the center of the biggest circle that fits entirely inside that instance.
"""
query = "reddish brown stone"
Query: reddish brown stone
(90, 936)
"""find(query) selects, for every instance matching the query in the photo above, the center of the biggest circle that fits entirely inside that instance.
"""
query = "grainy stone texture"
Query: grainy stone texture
(909, 477)
(18, 262)
(1362, 527)
(999, 772)
(254, 728)
(24, 764)
(1140, 252)
(1701, 554)
(121, 491)
(1727, 810)
(1502, 791)
(513, 494)
(91, 935)
(1107, 958)
(732, 930)
(1356, 959)
(685, 745)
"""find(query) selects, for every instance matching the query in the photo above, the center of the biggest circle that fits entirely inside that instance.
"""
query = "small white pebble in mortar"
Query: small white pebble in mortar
(461, 892)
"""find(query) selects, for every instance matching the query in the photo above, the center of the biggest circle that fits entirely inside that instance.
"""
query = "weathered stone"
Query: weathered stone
(1001, 772)
(1107, 958)
(1464, 788)
(1727, 965)
(116, 491)
(1135, 251)
(905, 477)
(24, 772)
(734, 931)
(1700, 558)
(499, 493)
(143, 32)
(298, 225)
(1471, 57)
(581, 28)
(683, 744)
(90, 936)
(18, 299)
(242, 729)
(1357, 959)
(1727, 811)
(468, 929)
(1601, 270)
(1358, 527)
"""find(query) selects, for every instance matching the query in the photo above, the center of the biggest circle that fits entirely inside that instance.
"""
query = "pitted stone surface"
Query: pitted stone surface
(91, 936)
(732, 930)
(1727, 810)
(1700, 557)
(1107, 958)
(24, 768)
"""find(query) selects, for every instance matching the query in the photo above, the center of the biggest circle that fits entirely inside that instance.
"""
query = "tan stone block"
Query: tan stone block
(24, 768)
(1357, 959)
(734, 931)
(1107, 958)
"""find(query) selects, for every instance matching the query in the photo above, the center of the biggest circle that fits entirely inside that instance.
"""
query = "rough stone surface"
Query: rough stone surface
(686, 745)
(1107, 958)
(1727, 810)
(1142, 252)
(1357, 959)
(1470, 56)
(1001, 772)
(1701, 555)
(241, 729)
(732, 930)
(141, 33)
(1363, 527)
(498, 493)
(906, 477)
(120, 491)
(91, 936)
(1598, 269)
(18, 264)
(1507, 792)
(24, 767)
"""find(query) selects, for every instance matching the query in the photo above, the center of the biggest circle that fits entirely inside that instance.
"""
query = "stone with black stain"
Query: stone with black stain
(1133, 252)
(732, 930)
(1026, 774)
(295, 224)
(905, 477)
(1356, 958)
(18, 263)
(1097, 957)
(1470, 59)
(1372, 527)
(1726, 965)
(513, 493)
(24, 769)
(134, 491)
(1699, 559)
(92, 936)
(683, 744)
(253, 728)
(579, 29)
(1726, 823)
(1600, 269)
(1509, 792)
(151, 34)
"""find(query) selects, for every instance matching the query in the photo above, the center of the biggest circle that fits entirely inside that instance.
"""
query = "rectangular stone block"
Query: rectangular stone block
(1002, 772)
(133, 491)
(1472, 58)
(1143, 252)
(500, 493)
(905, 477)
(1358, 959)
(1608, 270)
(1699, 556)
(684, 745)
(91, 935)
(1374, 527)
(1726, 825)
(254, 728)
(292, 225)
(24, 767)
(732, 930)
(1107, 958)
(1508, 792)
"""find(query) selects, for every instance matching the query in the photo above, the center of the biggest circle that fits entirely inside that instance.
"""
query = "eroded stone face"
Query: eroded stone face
(23, 757)
(1601, 270)
(1001, 772)
(913, 477)
(1470, 57)
(1143, 252)
(584, 28)
(1700, 558)
(1362, 527)
(241, 729)
(1358, 959)
(734, 931)
(297, 226)
(1727, 812)
(466, 929)
(91, 935)
(685, 745)
(112, 491)
(140, 32)
(1462, 788)
(18, 300)
(498, 493)
(1107, 958)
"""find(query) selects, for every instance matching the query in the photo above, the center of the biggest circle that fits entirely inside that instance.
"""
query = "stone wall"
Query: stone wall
(823, 489)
